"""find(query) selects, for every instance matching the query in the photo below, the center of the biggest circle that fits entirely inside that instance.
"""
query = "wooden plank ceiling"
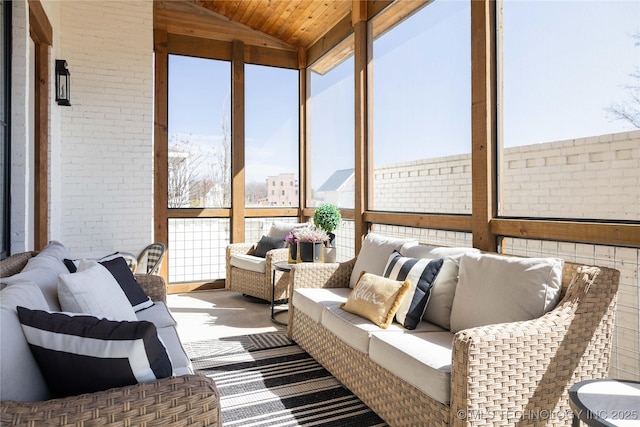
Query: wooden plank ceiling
(297, 23)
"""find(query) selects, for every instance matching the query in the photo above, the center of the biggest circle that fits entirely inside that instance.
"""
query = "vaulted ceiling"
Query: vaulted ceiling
(296, 22)
(291, 25)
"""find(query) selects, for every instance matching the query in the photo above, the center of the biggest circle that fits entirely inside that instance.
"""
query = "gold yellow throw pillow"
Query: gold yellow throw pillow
(376, 298)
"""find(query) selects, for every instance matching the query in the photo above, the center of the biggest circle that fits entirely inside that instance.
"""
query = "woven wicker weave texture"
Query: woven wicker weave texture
(502, 375)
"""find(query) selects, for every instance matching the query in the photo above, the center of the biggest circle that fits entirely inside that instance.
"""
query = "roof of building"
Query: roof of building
(336, 180)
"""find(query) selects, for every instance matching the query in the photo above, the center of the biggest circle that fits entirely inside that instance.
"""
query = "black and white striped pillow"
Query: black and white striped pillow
(422, 273)
(83, 354)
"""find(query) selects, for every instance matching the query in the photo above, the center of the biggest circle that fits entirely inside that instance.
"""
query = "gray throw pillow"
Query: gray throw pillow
(266, 244)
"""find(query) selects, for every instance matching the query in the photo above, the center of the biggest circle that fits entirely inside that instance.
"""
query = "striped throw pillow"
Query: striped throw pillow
(421, 273)
(83, 354)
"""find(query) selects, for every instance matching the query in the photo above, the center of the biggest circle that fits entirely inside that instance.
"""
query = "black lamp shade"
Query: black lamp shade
(63, 83)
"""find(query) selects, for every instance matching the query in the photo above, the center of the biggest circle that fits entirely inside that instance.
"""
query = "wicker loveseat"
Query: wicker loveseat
(182, 400)
(515, 373)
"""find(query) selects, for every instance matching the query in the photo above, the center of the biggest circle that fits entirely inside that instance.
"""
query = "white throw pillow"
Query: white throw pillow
(444, 288)
(43, 270)
(95, 291)
(280, 229)
(496, 289)
(374, 254)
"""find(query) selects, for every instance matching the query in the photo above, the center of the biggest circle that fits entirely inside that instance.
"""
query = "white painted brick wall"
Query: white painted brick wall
(106, 154)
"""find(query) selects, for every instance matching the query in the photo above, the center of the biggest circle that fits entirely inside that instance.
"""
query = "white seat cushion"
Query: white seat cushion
(353, 329)
(423, 359)
(249, 262)
(312, 301)
(158, 314)
(179, 360)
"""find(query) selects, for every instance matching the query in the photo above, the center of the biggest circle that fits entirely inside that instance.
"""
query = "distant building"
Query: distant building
(282, 190)
(339, 189)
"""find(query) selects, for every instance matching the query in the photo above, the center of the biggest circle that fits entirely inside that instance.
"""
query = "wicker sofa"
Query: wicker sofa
(515, 373)
(179, 400)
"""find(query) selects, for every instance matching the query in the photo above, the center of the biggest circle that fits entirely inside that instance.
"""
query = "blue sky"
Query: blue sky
(564, 63)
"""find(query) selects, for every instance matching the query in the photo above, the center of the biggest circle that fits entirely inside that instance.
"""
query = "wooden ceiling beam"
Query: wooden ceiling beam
(189, 19)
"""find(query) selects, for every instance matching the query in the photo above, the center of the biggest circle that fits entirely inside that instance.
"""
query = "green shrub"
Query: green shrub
(327, 217)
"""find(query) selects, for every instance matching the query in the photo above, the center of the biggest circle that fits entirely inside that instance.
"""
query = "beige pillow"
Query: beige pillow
(497, 289)
(376, 298)
(374, 254)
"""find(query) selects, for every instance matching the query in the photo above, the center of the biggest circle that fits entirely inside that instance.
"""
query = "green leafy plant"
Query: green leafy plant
(327, 217)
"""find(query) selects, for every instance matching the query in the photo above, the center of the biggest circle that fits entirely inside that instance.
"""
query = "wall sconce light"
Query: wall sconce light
(63, 83)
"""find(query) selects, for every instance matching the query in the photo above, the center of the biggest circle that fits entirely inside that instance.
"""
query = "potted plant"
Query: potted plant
(310, 242)
(327, 217)
(292, 241)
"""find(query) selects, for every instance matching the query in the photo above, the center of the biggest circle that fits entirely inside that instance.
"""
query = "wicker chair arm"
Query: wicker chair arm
(153, 285)
(275, 255)
(321, 275)
(191, 400)
(525, 368)
(240, 248)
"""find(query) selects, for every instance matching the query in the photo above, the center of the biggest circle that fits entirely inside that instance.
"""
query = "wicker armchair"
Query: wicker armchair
(189, 400)
(505, 374)
(252, 283)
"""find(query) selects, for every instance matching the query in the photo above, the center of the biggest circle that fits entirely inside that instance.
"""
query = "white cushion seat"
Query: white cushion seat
(158, 314)
(249, 262)
(179, 361)
(422, 359)
(313, 301)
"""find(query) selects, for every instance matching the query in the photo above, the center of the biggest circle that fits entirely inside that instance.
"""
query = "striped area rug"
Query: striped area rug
(266, 380)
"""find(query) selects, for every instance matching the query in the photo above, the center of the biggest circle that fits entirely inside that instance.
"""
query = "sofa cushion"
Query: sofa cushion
(311, 301)
(83, 354)
(95, 291)
(266, 244)
(43, 270)
(374, 254)
(120, 270)
(20, 377)
(421, 359)
(179, 360)
(354, 330)
(421, 274)
(248, 262)
(444, 287)
(158, 314)
(497, 289)
(376, 298)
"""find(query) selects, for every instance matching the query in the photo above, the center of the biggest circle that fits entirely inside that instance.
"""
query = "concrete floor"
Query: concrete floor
(220, 313)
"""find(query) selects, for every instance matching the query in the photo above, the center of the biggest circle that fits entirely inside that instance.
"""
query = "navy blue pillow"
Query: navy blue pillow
(421, 271)
(83, 354)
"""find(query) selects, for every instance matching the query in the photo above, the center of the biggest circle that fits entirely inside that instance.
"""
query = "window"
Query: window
(271, 119)
(421, 111)
(5, 102)
(330, 118)
(570, 92)
(199, 133)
